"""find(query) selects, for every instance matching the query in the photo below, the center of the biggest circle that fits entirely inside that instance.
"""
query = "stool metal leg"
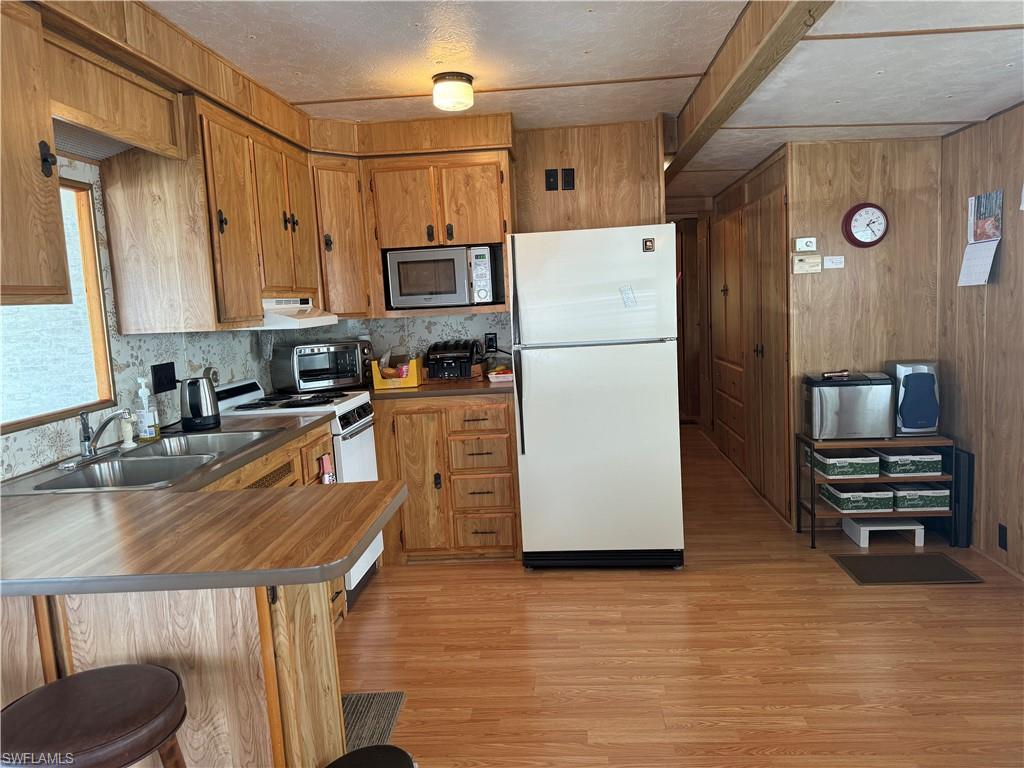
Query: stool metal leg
(170, 754)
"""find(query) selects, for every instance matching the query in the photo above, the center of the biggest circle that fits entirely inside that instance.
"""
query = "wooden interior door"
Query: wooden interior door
(706, 413)
(272, 201)
(751, 298)
(35, 262)
(773, 270)
(689, 321)
(341, 241)
(404, 203)
(425, 522)
(305, 251)
(233, 223)
(471, 204)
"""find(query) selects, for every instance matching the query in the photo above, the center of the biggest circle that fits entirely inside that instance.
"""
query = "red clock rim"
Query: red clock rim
(848, 231)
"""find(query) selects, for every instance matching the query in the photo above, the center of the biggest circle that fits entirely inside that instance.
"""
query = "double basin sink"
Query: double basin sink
(153, 465)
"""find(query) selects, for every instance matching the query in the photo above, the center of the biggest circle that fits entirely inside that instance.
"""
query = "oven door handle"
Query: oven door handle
(358, 432)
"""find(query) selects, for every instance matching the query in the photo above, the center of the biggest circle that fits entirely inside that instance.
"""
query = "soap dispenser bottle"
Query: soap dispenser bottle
(148, 416)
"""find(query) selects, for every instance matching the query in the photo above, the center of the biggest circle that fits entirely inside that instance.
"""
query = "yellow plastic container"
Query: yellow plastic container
(412, 380)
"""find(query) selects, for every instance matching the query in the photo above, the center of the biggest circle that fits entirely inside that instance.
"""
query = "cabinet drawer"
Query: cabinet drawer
(729, 379)
(732, 445)
(478, 453)
(480, 418)
(491, 531)
(729, 412)
(476, 492)
(311, 458)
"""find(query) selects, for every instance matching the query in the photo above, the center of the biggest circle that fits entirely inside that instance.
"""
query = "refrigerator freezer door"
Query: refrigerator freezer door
(599, 448)
(594, 285)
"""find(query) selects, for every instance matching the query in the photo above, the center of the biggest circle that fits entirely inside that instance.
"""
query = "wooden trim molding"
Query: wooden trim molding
(914, 32)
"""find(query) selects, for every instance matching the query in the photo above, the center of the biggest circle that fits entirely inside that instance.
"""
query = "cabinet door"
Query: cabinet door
(471, 204)
(233, 223)
(425, 523)
(403, 200)
(35, 267)
(341, 241)
(275, 233)
(751, 300)
(305, 255)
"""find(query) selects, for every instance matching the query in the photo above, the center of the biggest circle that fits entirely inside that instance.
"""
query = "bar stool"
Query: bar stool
(103, 718)
(380, 756)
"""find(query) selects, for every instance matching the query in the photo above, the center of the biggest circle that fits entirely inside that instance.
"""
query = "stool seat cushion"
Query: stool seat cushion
(110, 716)
(380, 756)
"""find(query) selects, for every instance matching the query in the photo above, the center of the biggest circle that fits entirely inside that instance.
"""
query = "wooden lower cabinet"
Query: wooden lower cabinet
(295, 463)
(26, 655)
(457, 457)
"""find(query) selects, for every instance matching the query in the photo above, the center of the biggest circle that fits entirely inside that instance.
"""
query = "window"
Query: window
(55, 357)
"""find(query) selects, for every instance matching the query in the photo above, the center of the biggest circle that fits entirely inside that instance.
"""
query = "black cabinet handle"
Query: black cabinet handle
(47, 159)
(479, 418)
(328, 243)
(449, 231)
(430, 233)
(481, 453)
(336, 595)
(483, 533)
(481, 493)
(284, 214)
(222, 221)
(295, 222)
(437, 480)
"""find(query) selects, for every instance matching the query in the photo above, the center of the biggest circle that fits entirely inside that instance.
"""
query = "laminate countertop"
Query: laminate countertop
(178, 538)
(443, 389)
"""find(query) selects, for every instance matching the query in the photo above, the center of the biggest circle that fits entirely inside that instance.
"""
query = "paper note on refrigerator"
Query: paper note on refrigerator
(628, 297)
(977, 262)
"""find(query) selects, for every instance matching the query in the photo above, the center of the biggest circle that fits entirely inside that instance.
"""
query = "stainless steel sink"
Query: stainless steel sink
(126, 473)
(197, 443)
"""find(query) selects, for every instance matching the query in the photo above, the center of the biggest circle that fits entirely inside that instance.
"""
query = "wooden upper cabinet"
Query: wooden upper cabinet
(305, 254)
(471, 210)
(233, 223)
(341, 238)
(35, 265)
(425, 521)
(404, 204)
(275, 234)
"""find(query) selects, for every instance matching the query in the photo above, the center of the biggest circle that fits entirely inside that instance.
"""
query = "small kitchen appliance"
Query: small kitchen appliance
(199, 407)
(858, 405)
(300, 368)
(453, 359)
(917, 396)
(444, 277)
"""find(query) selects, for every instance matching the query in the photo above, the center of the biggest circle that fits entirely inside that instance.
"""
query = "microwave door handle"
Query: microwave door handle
(515, 295)
(517, 368)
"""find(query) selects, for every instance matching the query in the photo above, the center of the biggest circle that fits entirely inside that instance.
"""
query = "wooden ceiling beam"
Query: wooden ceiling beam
(762, 36)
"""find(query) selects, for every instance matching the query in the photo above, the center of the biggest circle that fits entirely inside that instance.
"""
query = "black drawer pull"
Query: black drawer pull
(481, 493)
(480, 453)
(478, 418)
(483, 533)
(336, 595)
(437, 480)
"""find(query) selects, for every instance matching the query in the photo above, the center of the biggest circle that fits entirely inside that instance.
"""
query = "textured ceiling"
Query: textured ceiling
(311, 51)
(874, 85)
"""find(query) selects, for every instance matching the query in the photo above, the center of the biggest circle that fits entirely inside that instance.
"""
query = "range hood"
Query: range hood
(284, 314)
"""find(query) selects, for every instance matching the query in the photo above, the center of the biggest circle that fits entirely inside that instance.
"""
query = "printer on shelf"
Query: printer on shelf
(841, 404)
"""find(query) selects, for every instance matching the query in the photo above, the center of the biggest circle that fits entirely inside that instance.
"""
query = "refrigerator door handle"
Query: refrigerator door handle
(517, 367)
(515, 295)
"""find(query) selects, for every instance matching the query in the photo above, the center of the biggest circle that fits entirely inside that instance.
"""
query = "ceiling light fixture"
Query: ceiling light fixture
(453, 91)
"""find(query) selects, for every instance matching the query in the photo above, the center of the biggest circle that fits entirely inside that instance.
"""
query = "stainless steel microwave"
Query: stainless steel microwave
(318, 366)
(444, 277)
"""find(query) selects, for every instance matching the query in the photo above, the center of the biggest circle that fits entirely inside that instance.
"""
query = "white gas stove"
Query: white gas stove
(355, 452)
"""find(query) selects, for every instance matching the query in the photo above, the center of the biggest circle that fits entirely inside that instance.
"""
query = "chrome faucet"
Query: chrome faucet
(89, 438)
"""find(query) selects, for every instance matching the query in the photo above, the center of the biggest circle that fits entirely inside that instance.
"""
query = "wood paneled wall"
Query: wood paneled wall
(882, 305)
(981, 330)
(619, 179)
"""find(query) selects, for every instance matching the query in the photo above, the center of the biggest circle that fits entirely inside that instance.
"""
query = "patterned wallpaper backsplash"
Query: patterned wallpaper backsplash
(235, 354)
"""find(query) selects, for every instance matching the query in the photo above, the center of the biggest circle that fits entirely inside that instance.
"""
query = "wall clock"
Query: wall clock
(865, 225)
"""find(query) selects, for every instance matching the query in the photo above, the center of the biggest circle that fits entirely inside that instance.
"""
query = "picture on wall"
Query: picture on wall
(985, 217)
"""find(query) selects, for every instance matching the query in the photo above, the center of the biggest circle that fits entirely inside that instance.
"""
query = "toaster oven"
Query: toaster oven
(320, 366)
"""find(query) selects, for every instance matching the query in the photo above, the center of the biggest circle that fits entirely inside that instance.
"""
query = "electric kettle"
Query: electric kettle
(199, 408)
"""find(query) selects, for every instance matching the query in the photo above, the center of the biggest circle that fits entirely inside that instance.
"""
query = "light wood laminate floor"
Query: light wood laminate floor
(760, 653)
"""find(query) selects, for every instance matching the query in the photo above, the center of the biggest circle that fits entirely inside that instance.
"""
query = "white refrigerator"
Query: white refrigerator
(596, 392)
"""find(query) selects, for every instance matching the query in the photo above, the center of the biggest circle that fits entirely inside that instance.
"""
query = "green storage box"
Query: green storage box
(921, 497)
(833, 463)
(909, 461)
(859, 498)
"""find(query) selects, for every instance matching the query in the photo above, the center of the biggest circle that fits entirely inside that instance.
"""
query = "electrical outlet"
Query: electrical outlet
(164, 377)
(550, 179)
(490, 342)
(568, 178)
(1002, 538)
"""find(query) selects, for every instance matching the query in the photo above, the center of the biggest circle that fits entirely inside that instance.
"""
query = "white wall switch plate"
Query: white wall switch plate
(805, 265)
(835, 262)
(805, 244)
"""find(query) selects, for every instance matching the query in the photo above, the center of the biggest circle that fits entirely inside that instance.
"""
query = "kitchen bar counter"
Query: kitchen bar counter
(451, 387)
